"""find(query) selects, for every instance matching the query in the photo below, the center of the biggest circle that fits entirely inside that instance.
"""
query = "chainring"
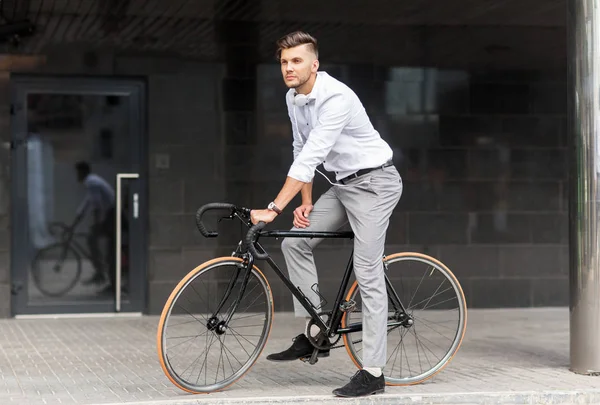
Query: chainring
(321, 341)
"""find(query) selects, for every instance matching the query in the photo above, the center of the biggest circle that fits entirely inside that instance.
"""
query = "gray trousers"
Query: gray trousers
(366, 202)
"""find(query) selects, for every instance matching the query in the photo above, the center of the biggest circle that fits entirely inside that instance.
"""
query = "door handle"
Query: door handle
(136, 205)
(120, 177)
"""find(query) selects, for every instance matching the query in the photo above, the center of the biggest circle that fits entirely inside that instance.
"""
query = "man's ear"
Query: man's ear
(315, 66)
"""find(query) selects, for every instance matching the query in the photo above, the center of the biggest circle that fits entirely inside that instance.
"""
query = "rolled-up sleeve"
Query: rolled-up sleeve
(333, 117)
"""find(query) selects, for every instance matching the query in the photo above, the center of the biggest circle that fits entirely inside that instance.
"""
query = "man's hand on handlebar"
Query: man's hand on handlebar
(265, 216)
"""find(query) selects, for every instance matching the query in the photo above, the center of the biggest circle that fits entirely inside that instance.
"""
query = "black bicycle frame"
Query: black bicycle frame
(337, 312)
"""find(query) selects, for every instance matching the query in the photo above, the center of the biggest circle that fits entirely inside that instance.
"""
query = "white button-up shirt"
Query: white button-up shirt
(333, 129)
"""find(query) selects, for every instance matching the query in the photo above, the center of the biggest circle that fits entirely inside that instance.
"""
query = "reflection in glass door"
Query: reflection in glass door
(74, 139)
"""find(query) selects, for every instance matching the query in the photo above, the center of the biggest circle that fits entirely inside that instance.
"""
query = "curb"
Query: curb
(472, 398)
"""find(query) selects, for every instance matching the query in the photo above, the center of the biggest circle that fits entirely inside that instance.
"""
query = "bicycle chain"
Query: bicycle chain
(353, 342)
(356, 341)
(338, 346)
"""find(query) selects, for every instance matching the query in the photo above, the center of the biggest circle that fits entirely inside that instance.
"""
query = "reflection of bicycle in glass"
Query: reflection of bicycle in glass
(56, 268)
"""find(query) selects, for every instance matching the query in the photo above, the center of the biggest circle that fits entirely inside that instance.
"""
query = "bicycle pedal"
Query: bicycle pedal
(347, 306)
(313, 358)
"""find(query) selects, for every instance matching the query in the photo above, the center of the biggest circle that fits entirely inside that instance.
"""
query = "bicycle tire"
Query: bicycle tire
(168, 307)
(457, 339)
(36, 269)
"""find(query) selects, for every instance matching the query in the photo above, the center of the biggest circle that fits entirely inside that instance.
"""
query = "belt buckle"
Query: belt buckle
(348, 178)
(352, 176)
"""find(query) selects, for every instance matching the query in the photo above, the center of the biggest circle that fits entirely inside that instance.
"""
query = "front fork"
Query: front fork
(220, 326)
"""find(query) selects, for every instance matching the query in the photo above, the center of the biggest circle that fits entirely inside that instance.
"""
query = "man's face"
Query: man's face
(297, 64)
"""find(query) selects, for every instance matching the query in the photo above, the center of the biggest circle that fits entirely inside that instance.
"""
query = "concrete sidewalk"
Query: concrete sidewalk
(516, 356)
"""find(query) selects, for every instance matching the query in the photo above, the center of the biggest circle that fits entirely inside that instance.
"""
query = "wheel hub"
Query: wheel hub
(405, 319)
(214, 325)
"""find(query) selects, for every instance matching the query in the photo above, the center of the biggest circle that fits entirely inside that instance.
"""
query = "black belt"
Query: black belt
(362, 172)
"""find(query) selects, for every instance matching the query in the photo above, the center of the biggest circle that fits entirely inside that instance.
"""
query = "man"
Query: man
(100, 198)
(330, 126)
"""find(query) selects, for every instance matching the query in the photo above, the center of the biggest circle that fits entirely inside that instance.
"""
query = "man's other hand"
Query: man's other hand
(301, 216)
(265, 216)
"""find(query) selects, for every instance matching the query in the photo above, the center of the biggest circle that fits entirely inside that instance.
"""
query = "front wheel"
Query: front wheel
(200, 351)
(56, 269)
(422, 340)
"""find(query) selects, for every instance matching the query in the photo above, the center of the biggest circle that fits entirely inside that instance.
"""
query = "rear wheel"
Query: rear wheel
(422, 344)
(199, 350)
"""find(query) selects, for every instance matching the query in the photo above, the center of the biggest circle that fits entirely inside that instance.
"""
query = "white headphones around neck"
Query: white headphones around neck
(300, 100)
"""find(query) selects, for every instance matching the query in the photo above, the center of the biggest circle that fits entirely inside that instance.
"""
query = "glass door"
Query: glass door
(78, 212)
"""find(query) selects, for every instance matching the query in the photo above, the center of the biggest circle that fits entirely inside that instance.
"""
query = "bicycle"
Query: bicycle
(188, 314)
(66, 256)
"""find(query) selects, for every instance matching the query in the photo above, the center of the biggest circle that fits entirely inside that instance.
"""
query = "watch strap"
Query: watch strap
(275, 208)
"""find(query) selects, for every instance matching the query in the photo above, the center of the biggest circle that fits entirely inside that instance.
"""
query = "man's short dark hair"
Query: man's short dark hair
(294, 39)
(83, 167)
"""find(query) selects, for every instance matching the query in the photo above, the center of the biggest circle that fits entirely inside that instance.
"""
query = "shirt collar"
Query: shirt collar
(318, 84)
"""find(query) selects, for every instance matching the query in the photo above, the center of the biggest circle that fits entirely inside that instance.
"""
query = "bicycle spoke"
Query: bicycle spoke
(190, 314)
(424, 338)
(419, 342)
(426, 321)
(234, 333)
(430, 298)
(249, 316)
(417, 289)
(180, 343)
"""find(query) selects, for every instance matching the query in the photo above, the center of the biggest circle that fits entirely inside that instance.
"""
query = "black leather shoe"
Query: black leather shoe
(361, 384)
(300, 348)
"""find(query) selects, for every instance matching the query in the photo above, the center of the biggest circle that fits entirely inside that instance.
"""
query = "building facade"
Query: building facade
(186, 101)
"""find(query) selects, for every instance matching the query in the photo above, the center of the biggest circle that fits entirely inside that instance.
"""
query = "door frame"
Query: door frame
(20, 86)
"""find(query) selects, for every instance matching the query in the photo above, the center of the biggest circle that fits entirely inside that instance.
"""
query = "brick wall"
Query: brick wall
(487, 195)
(481, 151)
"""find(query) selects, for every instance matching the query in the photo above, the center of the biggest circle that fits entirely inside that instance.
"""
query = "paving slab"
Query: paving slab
(508, 356)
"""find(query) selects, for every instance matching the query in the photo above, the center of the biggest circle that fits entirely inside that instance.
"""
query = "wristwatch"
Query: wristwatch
(273, 207)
